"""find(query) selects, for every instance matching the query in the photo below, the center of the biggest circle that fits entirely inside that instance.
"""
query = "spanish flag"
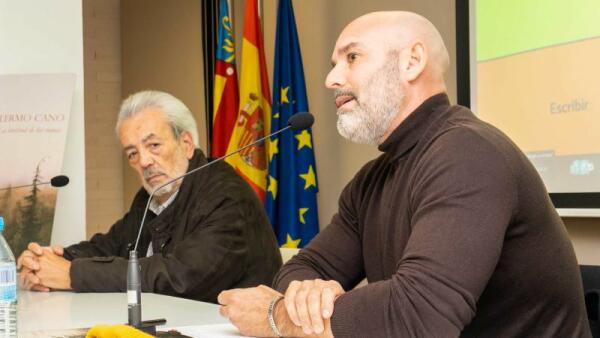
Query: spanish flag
(225, 96)
(254, 115)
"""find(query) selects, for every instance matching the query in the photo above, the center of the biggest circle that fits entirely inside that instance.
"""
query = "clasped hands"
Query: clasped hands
(305, 310)
(44, 268)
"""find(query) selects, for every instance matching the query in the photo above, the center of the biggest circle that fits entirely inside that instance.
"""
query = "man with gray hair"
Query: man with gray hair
(451, 225)
(203, 234)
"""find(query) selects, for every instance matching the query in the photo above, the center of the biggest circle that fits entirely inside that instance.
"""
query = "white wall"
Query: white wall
(47, 37)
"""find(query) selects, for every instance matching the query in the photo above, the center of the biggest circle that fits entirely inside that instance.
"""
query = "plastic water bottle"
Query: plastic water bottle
(8, 288)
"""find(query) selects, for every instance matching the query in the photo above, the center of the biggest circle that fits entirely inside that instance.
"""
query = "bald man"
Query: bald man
(451, 225)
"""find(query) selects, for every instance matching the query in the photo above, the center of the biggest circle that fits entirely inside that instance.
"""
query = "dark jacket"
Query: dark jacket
(214, 236)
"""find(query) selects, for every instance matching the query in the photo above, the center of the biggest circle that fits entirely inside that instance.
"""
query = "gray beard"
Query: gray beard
(164, 193)
(371, 119)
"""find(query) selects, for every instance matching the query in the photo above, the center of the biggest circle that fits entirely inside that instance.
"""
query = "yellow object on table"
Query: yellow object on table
(115, 331)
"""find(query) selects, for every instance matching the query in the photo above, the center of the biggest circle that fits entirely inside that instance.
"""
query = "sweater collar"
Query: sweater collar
(409, 132)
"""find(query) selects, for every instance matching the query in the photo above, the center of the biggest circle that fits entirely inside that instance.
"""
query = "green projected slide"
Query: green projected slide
(506, 27)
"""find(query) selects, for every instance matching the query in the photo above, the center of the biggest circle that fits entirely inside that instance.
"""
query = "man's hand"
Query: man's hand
(247, 309)
(29, 257)
(309, 302)
(29, 281)
(29, 265)
(54, 270)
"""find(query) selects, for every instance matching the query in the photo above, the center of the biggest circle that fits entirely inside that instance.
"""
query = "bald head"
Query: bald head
(397, 30)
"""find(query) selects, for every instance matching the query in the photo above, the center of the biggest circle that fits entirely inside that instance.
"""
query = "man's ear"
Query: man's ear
(188, 142)
(414, 60)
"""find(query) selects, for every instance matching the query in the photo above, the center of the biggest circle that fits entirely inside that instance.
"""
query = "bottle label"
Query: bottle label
(8, 282)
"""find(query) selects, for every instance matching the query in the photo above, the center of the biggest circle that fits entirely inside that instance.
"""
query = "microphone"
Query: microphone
(59, 181)
(296, 122)
(56, 181)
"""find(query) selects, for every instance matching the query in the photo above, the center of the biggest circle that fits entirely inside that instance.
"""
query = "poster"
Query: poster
(34, 116)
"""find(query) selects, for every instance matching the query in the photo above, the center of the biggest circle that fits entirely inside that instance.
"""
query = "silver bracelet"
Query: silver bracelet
(270, 316)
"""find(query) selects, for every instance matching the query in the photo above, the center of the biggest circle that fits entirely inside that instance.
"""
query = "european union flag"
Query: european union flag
(291, 200)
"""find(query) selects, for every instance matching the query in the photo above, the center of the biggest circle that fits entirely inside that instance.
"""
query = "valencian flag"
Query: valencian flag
(225, 95)
(291, 200)
(254, 116)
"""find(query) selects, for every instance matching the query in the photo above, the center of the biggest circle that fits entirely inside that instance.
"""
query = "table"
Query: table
(68, 310)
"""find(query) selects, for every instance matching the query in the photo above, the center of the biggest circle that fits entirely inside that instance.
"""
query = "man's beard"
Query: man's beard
(180, 168)
(376, 108)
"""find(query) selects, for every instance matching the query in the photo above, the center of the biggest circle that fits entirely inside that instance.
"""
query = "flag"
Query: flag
(291, 199)
(225, 94)
(254, 116)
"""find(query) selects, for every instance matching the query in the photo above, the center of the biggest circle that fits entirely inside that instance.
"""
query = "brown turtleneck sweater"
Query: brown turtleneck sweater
(456, 234)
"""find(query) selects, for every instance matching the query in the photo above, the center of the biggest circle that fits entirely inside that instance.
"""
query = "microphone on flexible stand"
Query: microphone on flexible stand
(56, 181)
(296, 122)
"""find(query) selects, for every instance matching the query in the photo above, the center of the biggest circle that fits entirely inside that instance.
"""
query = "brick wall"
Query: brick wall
(102, 92)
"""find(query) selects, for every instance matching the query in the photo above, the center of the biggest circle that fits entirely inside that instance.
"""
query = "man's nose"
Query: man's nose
(335, 79)
(146, 159)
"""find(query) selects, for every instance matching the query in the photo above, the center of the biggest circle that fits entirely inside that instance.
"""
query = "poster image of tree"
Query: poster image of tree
(29, 213)
(34, 115)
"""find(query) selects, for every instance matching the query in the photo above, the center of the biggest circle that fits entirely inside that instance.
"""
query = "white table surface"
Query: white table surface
(68, 310)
